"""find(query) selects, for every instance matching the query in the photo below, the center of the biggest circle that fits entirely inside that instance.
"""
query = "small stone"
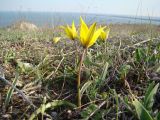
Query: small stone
(69, 111)
(69, 114)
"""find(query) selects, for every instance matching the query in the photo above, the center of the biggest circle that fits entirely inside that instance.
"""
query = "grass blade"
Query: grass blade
(141, 111)
(149, 98)
(85, 86)
(10, 91)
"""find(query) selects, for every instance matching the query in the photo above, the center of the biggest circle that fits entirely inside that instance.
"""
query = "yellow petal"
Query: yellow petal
(95, 37)
(66, 30)
(104, 34)
(74, 30)
(83, 31)
(90, 34)
(69, 32)
(56, 39)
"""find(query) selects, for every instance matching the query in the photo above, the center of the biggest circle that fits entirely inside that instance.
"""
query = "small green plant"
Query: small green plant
(145, 56)
(51, 105)
(144, 108)
(124, 70)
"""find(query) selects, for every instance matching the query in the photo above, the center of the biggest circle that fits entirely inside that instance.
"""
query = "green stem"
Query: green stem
(79, 78)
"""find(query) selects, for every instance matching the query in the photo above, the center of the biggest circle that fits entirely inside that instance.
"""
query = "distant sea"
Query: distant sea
(51, 19)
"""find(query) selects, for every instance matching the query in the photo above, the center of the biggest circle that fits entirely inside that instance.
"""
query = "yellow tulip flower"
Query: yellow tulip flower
(71, 31)
(88, 36)
(104, 34)
(56, 39)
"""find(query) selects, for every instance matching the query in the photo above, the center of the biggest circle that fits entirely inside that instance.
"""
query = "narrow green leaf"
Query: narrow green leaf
(103, 75)
(85, 86)
(117, 103)
(149, 98)
(105, 71)
(149, 90)
(10, 91)
(138, 55)
(142, 113)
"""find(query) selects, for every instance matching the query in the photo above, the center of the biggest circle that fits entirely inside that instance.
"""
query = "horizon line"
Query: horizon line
(102, 14)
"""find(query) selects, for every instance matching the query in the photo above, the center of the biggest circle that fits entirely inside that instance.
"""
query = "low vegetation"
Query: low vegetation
(119, 77)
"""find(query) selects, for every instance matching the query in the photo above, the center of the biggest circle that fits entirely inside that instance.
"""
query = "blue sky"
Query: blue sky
(118, 7)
